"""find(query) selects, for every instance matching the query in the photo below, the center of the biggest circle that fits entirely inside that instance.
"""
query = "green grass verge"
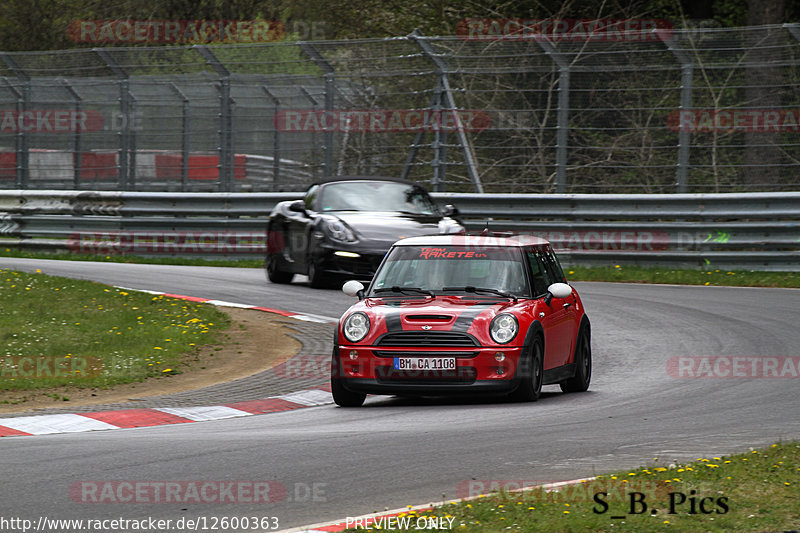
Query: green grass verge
(57, 331)
(751, 492)
(636, 274)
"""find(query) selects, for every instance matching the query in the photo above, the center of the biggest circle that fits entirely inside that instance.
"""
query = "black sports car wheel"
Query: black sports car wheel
(274, 273)
(316, 276)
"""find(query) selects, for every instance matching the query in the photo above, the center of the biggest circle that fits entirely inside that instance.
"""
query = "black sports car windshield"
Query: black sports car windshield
(376, 196)
(435, 267)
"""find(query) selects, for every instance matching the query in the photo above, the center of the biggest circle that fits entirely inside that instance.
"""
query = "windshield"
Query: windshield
(376, 196)
(434, 268)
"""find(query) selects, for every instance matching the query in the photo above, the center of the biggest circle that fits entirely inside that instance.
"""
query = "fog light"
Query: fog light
(500, 370)
(499, 356)
(353, 355)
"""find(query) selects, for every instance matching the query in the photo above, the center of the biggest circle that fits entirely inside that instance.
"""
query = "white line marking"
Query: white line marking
(308, 397)
(198, 414)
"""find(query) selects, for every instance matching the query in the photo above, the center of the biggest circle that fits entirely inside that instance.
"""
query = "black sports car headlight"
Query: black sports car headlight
(338, 231)
(356, 327)
(504, 328)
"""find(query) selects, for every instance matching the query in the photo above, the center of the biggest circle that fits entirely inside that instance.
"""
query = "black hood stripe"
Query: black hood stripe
(393, 322)
(461, 324)
(465, 319)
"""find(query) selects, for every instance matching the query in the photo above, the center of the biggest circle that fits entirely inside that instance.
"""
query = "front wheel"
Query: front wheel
(317, 277)
(274, 273)
(341, 396)
(530, 388)
(583, 363)
(345, 398)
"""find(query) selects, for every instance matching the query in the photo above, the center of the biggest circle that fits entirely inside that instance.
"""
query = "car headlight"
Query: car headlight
(338, 231)
(504, 328)
(356, 327)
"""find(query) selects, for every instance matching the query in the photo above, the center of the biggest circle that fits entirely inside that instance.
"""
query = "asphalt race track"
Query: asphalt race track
(342, 462)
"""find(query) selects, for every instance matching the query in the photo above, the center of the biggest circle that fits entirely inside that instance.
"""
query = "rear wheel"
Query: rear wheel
(530, 388)
(583, 363)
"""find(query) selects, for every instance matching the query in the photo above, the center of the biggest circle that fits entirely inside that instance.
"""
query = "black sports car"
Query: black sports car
(343, 227)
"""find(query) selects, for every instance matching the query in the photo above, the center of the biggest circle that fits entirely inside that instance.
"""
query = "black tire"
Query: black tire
(316, 276)
(530, 388)
(583, 362)
(341, 396)
(346, 398)
(274, 273)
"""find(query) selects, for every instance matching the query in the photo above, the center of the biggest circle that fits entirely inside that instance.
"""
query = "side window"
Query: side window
(539, 275)
(554, 268)
(311, 196)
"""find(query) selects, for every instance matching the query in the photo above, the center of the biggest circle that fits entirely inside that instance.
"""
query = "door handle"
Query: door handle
(566, 305)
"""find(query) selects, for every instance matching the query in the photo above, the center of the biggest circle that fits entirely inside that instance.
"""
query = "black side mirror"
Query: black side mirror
(450, 211)
(298, 206)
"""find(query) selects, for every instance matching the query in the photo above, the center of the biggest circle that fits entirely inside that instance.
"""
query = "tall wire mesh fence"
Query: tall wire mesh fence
(714, 110)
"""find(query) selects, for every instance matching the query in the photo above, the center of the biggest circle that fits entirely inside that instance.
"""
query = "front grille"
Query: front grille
(365, 266)
(458, 355)
(427, 338)
(461, 376)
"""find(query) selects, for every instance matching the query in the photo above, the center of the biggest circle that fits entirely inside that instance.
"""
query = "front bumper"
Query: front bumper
(356, 263)
(370, 370)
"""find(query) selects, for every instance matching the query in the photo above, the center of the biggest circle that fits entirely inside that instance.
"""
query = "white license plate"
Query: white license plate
(424, 363)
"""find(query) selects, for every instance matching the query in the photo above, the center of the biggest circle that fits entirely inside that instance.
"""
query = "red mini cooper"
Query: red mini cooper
(458, 314)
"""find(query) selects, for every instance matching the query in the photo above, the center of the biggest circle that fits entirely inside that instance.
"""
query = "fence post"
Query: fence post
(22, 171)
(562, 128)
(314, 106)
(76, 142)
(225, 117)
(330, 85)
(684, 137)
(276, 141)
(185, 138)
(447, 95)
(124, 110)
(439, 163)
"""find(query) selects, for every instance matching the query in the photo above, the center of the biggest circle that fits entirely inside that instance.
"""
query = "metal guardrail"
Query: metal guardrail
(759, 231)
